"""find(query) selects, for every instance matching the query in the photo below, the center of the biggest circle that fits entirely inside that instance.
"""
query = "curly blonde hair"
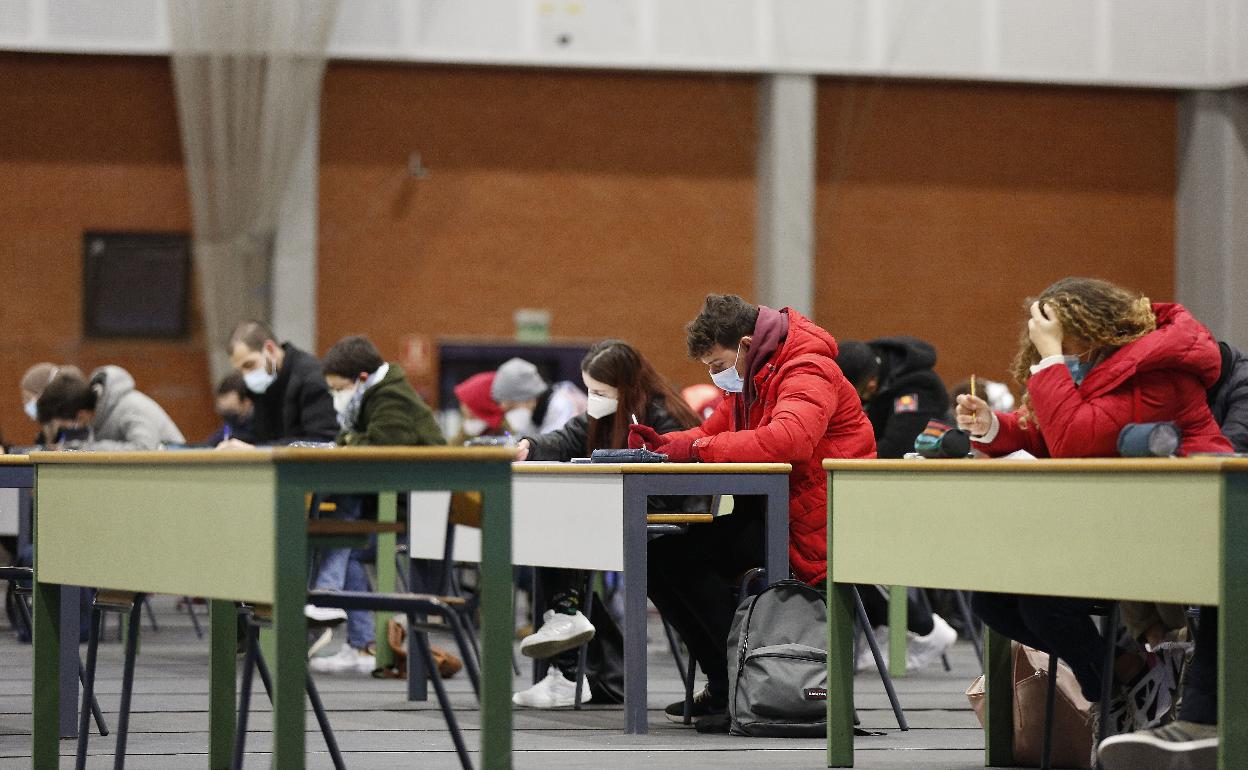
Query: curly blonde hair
(1092, 311)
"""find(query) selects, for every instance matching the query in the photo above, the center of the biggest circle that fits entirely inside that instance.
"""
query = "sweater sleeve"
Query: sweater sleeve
(563, 444)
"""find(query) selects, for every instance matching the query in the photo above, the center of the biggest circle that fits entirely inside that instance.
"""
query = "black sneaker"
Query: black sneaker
(704, 704)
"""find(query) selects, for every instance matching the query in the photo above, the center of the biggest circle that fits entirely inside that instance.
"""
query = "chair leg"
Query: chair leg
(151, 614)
(190, 610)
(251, 649)
(88, 689)
(422, 644)
(127, 681)
(861, 612)
(1050, 704)
(582, 657)
(685, 669)
(100, 725)
(453, 622)
(1109, 629)
(322, 719)
(972, 624)
(691, 672)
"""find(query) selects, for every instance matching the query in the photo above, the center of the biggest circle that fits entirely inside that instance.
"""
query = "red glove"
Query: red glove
(681, 450)
(639, 435)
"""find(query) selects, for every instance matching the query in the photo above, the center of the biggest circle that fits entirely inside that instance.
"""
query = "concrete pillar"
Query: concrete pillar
(784, 266)
(1211, 211)
(294, 249)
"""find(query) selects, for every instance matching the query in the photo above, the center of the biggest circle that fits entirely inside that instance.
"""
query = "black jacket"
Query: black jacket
(572, 440)
(1228, 398)
(297, 406)
(910, 393)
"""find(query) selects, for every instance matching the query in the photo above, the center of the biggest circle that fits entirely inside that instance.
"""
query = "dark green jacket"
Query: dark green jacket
(393, 414)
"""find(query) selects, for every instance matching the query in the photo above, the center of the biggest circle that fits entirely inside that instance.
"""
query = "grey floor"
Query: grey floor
(377, 728)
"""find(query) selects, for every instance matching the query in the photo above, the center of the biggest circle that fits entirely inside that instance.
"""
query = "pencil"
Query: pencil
(973, 386)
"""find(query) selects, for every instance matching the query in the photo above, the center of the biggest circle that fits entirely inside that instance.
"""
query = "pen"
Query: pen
(635, 422)
(226, 433)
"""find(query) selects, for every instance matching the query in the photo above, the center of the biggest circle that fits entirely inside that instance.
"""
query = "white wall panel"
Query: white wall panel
(1159, 38)
(1038, 37)
(821, 33)
(480, 27)
(714, 30)
(935, 36)
(136, 23)
(14, 20)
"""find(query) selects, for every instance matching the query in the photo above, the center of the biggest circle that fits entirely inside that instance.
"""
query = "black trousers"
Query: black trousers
(693, 582)
(875, 602)
(1053, 624)
(1200, 686)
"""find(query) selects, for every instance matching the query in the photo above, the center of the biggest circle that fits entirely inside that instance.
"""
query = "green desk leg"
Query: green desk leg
(840, 675)
(1233, 626)
(387, 511)
(898, 621)
(998, 701)
(45, 712)
(497, 620)
(222, 643)
(290, 643)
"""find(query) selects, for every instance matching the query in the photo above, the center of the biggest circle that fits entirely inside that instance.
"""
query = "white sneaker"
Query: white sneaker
(922, 650)
(326, 616)
(559, 632)
(555, 691)
(865, 661)
(348, 660)
(323, 638)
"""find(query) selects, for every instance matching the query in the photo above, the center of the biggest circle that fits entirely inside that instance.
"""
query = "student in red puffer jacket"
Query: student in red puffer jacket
(786, 401)
(1094, 358)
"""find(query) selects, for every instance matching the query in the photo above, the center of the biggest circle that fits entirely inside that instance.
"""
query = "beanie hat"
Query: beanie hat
(517, 380)
(474, 393)
(858, 361)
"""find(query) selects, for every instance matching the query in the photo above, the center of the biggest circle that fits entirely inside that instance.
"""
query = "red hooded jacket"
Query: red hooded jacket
(1160, 377)
(805, 411)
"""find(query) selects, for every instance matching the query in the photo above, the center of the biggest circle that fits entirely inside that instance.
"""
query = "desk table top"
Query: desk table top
(624, 469)
(14, 460)
(281, 455)
(1206, 464)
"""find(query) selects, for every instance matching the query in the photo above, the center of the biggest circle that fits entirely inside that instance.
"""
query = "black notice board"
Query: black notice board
(136, 284)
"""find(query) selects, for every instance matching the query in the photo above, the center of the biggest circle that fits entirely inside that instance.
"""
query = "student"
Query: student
(234, 407)
(529, 404)
(900, 392)
(103, 413)
(33, 382)
(1094, 358)
(787, 401)
(1191, 742)
(479, 415)
(376, 406)
(621, 383)
(290, 397)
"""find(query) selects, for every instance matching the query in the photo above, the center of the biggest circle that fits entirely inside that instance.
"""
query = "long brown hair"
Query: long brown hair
(1095, 312)
(618, 364)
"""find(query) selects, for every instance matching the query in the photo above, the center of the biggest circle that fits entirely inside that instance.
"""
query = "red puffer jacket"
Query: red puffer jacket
(805, 411)
(1160, 377)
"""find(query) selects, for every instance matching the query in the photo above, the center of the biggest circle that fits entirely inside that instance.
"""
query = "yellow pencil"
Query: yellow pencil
(972, 386)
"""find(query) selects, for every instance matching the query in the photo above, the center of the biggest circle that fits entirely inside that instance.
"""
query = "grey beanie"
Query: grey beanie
(517, 380)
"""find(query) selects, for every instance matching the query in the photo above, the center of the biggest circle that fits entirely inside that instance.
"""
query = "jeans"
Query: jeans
(1051, 624)
(342, 569)
(1200, 685)
(693, 583)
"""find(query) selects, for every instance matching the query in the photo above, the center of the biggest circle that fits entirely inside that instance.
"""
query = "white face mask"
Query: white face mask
(31, 409)
(519, 419)
(259, 379)
(474, 426)
(730, 380)
(601, 406)
(342, 398)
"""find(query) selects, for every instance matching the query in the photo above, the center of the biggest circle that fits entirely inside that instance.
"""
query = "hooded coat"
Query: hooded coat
(1161, 377)
(800, 410)
(392, 413)
(1228, 398)
(910, 393)
(126, 419)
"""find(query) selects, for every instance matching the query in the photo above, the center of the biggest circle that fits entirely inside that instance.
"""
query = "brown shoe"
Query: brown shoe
(448, 663)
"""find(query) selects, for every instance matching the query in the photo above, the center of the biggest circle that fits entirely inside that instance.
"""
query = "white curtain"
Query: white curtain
(248, 76)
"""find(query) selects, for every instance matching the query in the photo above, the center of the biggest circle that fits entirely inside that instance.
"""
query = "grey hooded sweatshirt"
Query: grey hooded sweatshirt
(126, 418)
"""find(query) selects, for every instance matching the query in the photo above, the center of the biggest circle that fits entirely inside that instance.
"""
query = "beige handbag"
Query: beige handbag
(1072, 729)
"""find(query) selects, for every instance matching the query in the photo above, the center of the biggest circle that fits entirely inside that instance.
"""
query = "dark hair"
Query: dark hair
(64, 397)
(724, 320)
(233, 383)
(618, 364)
(251, 333)
(351, 355)
(858, 362)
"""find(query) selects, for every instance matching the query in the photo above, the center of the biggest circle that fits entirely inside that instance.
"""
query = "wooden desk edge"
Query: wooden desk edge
(280, 455)
(15, 460)
(624, 469)
(1091, 465)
